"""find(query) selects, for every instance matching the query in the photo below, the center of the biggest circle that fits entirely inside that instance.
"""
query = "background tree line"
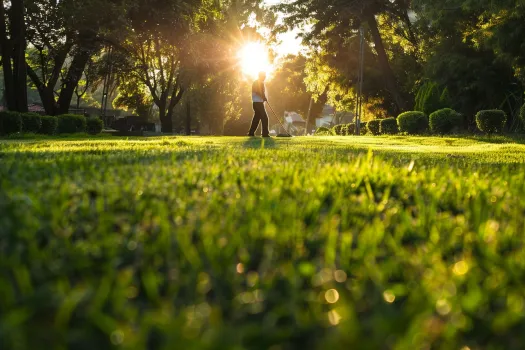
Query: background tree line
(158, 56)
(420, 54)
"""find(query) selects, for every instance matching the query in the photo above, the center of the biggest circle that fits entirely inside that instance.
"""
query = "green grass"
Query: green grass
(234, 243)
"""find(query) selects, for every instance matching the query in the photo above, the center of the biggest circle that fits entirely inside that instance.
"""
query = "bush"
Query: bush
(31, 122)
(412, 122)
(322, 131)
(71, 123)
(491, 121)
(49, 125)
(388, 126)
(94, 126)
(350, 129)
(373, 127)
(445, 121)
(364, 128)
(10, 122)
(338, 130)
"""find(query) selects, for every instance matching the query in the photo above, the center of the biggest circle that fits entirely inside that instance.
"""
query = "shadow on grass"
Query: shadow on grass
(260, 143)
(499, 139)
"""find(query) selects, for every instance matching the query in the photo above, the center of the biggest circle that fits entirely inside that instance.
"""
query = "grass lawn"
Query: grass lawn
(237, 243)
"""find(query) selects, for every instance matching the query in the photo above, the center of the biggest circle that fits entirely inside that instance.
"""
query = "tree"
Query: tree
(339, 20)
(12, 47)
(65, 35)
(290, 92)
(463, 53)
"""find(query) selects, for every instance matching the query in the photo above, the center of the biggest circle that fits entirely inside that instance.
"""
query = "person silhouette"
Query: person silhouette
(258, 99)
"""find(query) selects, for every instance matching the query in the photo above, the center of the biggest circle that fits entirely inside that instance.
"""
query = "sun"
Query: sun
(253, 58)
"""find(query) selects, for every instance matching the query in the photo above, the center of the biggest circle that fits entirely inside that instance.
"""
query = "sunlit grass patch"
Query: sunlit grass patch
(372, 242)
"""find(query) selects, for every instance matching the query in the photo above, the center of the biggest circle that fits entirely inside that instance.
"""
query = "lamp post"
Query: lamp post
(360, 79)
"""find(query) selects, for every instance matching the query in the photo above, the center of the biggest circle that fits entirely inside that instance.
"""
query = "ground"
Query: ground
(232, 243)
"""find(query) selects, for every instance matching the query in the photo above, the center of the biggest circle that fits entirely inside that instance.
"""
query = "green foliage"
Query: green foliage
(71, 123)
(431, 98)
(388, 126)
(373, 126)
(364, 128)
(10, 122)
(94, 125)
(31, 122)
(322, 131)
(491, 121)
(445, 121)
(117, 241)
(412, 122)
(339, 130)
(49, 125)
(350, 129)
(522, 114)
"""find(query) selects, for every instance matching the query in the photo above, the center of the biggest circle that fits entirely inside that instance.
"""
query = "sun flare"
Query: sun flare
(253, 58)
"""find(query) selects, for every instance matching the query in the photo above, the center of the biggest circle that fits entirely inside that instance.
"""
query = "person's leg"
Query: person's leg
(265, 122)
(255, 121)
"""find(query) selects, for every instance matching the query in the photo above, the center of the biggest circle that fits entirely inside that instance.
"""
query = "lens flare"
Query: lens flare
(253, 58)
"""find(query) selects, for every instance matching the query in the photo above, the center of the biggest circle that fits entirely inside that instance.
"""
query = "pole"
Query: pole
(105, 90)
(360, 79)
(309, 116)
(188, 119)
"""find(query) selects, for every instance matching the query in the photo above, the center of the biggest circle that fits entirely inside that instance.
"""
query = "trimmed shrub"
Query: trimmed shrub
(445, 121)
(338, 130)
(94, 126)
(373, 127)
(388, 126)
(364, 128)
(10, 123)
(71, 123)
(350, 129)
(412, 122)
(31, 122)
(49, 125)
(322, 131)
(491, 121)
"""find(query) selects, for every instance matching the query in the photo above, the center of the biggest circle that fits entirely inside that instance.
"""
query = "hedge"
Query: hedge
(373, 127)
(412, 122)
(10, 123)
(445, 121)
(94, 126)
(71, 123)
(31, 122)
(49, 125)
(491, 121)
(322, 131)
(388, 126)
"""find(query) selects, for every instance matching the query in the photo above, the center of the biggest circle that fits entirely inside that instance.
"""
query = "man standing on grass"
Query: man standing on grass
(258, 99)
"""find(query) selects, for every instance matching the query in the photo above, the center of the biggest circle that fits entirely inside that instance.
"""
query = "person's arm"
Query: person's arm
(263, 89)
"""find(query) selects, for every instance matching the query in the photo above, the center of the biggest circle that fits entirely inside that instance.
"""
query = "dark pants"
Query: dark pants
(260, 116)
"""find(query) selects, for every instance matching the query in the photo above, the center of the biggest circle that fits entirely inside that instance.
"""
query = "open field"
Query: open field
(237, 243)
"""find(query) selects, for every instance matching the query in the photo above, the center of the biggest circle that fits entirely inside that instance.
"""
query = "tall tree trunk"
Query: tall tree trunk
(390, 79)
(7, 51)
(47, 95)
(188, 119)
(13, 47)
(73, 76)
(166, 123)
(18, 35)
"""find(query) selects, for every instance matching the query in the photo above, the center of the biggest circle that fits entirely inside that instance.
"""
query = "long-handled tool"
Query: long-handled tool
(276, 117)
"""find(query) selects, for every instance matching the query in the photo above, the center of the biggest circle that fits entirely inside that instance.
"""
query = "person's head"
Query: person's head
(262, 76)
